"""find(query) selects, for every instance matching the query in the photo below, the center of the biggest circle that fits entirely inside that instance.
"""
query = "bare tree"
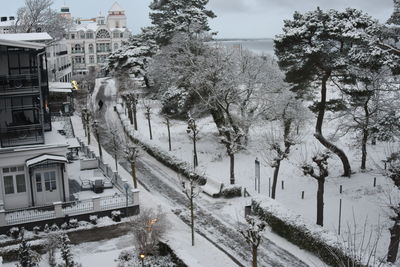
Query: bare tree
(252, 234)
(191, 189)
(321, 160)
(96, 129)
(38, 16)
(147, 106)
(193, 131)
(132, 102)
(86, 118)
(148, 227)
(131, 154)
(116, 142)
(167, 122)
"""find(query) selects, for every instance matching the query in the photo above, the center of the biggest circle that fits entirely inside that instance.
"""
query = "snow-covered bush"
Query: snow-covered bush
(64, 226)
(116, 215)
(14, 232)
(36, 230)
(73, 223)
(54, 228)
(46, 228)
(130, 259)
(93, 219)
(231, 191)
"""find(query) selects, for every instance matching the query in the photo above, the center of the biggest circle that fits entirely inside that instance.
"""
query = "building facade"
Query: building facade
(90, 41)
(32, 169)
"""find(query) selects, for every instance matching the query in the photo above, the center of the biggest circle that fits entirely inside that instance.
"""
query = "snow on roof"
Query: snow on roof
(7, 23)
(86, 26)
(29, 37)
(116, 7)
(23, 44)
(60, 90)
(73, 143)
(44, 157)
(57, 86)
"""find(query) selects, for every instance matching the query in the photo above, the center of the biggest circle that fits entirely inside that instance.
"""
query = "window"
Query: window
(115, 46)
(21, 187)
(82, 35)
(103, 34)
(91, 59)
(8, 184)
(116, 34)
(38, 182)
(91, 50)
(72, 36)
(89, 35)
(14, 181)
(50, 181)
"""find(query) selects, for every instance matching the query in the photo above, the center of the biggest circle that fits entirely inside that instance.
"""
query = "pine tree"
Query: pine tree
(172, 16)
(395, 18)
(66, 254)
(26, 256)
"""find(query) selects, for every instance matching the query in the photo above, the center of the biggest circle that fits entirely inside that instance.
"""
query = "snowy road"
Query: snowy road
(164, 183)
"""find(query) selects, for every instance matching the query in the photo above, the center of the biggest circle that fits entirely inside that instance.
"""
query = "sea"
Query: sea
(259, 46)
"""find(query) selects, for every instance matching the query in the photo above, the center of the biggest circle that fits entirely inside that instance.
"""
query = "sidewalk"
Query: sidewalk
(203, 254)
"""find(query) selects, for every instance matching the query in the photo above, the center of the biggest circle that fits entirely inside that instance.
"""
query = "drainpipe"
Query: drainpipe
(31, 184)
(62, 181)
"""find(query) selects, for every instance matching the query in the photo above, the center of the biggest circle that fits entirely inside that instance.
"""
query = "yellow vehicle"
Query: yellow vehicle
(74, 85)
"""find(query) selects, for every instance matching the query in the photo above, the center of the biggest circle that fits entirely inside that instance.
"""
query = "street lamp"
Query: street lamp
(126, 186)
(141, 257)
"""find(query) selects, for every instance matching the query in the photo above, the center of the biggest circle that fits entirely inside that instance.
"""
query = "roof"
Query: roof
(7, 23)
(23, 44)
(59, 87)
(45, 157)
(116, 7)
(93, 26)
(29, 37)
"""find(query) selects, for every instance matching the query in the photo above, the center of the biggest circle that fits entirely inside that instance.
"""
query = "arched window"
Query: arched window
(91, 48)
(103, 34)
(115, 46)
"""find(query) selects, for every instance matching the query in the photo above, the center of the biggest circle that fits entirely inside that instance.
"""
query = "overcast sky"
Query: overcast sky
(235, 18)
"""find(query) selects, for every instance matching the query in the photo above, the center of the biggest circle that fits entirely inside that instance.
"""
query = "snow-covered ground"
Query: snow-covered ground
(361, 201)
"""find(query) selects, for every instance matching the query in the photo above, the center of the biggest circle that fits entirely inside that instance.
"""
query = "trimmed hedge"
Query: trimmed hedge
(231, 191)
(172, 162)
(304, 238)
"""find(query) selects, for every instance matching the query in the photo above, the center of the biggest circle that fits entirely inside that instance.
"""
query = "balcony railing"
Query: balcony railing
(21, 135)
(21, 83)
(79, 51)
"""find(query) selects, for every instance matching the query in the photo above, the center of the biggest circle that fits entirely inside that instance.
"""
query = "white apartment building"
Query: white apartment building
(90, 41)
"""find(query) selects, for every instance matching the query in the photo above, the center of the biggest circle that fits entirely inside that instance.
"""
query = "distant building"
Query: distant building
(90, 41)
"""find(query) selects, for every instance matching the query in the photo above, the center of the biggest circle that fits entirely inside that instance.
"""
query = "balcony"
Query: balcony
(21, 135)
(61, 53)
(103, 50)
(78, 51)
(19, 84)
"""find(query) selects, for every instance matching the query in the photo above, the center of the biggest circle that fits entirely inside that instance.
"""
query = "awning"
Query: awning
(46, 157)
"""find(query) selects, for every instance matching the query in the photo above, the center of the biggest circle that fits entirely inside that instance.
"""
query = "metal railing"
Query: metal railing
(22, 135)
(20, 83)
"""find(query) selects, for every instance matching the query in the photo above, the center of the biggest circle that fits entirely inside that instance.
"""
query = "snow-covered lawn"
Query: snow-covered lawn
(361, 201)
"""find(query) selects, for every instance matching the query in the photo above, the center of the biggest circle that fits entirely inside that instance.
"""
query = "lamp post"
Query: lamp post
(141, 257)
(126, 186)
(97, 132)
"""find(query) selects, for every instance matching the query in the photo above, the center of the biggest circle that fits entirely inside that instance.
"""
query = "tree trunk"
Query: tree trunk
(195, 159)
(275, 179)
(133, 173)
(318, 129)
(98, 143)
(148, 120)
(394, 241)
(116, 162)
(365, 137)
(169, 136)
(320, 202)
(130, 114)
(192, 213)
(254, 250)
(88, 133)
(135, 119)
(232, 168)
(146, 82)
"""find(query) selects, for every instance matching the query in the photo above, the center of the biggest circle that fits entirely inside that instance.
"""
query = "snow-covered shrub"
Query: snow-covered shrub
(116, 215)
(73, 223)
(14, 232)
(309, 237)
(93, 219)
(46, 228)
(231, 191)
(64, 226)
(54, 228)
(36, 230)
(175, 102)
(130, 259)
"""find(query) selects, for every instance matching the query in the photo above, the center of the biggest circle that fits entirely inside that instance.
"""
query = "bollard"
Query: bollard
(302, 194)
(374, 181)
(340, 189)
(283, 185)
